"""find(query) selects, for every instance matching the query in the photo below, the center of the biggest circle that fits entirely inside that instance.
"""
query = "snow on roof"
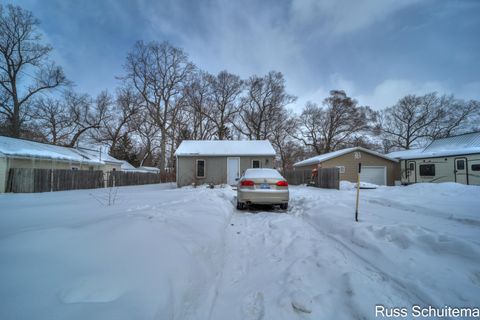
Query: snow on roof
(98, 155)
(457, 145)
(126, 166)
(225, 148)
(335, 154)
(405, 153)
(463, 141)
(29, 149)
(149, 169)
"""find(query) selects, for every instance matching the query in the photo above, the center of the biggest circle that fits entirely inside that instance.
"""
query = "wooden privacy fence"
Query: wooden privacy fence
(45, 180)
(123, 178)
(326, 178)
(296, 177)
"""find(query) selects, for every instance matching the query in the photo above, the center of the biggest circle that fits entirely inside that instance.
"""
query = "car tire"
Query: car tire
(284, 206)
(240, 205)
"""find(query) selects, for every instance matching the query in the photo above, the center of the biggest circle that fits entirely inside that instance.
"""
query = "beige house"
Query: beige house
(376, 168)
(19, 153)
(220, 162)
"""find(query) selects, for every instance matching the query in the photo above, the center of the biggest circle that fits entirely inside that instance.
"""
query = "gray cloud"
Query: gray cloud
(375, 50)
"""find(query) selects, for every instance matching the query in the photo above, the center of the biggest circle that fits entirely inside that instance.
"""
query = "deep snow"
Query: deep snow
(165, 253)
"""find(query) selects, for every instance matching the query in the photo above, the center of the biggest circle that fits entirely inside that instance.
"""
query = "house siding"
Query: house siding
(6, 163)
(50, 164)
(110, 166)
(351, 166)
(3, 174)
(215, 168)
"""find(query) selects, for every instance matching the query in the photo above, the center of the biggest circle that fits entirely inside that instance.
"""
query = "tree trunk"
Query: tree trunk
(15, 124)
(163, 150)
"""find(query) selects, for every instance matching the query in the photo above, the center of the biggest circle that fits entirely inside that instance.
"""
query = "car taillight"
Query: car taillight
(282, 184)
(247, 183)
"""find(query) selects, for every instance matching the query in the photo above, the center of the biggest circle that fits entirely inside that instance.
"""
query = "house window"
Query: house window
(341, 169)
(460, 164)
(200, 168)
(475, 167)
(411, 166)
(427, 170)
(256, 164)
(75, 168)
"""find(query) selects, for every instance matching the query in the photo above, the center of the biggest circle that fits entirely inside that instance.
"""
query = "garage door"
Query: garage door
(375, 175)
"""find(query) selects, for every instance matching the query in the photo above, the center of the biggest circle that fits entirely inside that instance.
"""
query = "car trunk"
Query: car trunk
(265, 184)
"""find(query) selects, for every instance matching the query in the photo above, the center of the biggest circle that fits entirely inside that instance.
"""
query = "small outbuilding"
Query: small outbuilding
(20, 153)
(377, 168)
(452, 159)
(220, 162)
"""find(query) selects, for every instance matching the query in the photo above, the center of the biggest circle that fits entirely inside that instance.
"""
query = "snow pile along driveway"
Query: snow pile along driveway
(155, 254)
(162, 253)
(416, 245)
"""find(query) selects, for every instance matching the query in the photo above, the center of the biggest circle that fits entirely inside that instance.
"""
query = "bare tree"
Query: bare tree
(458, 116)
(147, 133)
(263, 106)
(225, 90)
(24, 67)
(283, 142)
(196, 122)
(52, 119)
(411, 120)
(335, 125)
(118, 122)
(311, 127)
(416, 120)
(471, 121)
(159, 72)
(85, 114)
(406, 123)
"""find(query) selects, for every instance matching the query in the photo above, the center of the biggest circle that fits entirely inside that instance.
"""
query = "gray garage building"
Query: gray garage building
(377, 168)
(220, 161)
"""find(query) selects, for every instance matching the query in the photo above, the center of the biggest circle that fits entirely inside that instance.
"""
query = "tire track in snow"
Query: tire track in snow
(214, 291)
(297, 248)
(241, 297)
(415, 295)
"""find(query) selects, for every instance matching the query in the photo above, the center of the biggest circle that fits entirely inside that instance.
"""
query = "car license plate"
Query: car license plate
(264, 186)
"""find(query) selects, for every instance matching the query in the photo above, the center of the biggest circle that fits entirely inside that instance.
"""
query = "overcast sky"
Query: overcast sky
(377, 51)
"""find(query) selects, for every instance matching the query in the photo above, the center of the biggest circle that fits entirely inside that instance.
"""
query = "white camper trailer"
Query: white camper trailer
(452, 159)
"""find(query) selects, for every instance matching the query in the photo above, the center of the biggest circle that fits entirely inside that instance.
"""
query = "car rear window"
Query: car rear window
(262, 173)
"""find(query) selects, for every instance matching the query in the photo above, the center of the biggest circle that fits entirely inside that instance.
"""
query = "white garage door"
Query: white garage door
(375, 175)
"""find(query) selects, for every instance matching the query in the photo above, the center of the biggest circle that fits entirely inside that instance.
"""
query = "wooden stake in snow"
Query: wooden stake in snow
(358, 190)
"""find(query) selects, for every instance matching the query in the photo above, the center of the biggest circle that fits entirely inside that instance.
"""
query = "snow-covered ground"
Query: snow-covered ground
(166, 253)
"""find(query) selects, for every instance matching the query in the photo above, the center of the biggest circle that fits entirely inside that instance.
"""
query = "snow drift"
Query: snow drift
(164, 253)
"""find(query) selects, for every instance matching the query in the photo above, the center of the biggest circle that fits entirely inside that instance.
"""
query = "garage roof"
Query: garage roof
(225, 148)
(335, 154)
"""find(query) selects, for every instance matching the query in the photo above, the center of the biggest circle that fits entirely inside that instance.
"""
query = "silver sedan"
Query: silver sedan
(262, 186)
